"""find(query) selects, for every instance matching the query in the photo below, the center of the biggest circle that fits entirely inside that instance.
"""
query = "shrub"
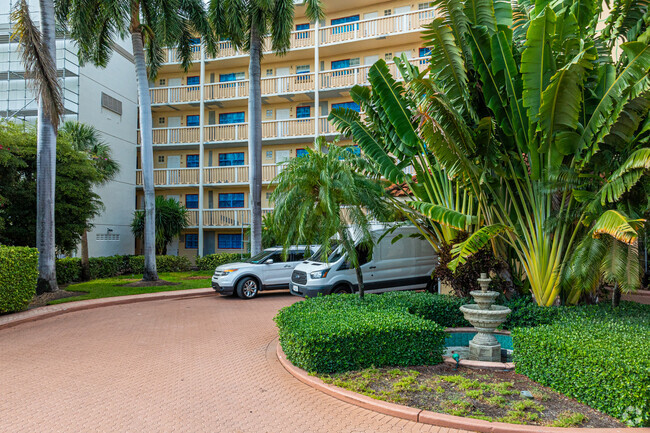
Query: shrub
(526, 313)
(211, 261)
(18, 277)
(602, 363)
(163, 264)
(317, 337)
(68, 270)
(442, 309)
(107, 267)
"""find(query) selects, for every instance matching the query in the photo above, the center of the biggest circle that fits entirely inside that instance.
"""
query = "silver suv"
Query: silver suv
(265, 271)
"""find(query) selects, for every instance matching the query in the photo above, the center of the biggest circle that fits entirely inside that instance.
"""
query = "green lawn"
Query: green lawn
(108, 287)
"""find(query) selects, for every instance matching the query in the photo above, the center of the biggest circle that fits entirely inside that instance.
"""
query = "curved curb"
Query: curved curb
(428, 417)
(40, 313)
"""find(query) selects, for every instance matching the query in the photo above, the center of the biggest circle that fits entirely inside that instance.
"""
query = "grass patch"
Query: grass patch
(569, 419)
(110, 287)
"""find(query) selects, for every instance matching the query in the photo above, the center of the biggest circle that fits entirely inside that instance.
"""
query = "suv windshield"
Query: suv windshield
(259, 257)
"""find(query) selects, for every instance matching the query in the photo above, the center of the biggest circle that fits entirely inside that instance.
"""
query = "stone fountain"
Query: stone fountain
(485, 317)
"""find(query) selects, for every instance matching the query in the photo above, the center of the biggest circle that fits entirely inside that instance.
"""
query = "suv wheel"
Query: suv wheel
(247, 288)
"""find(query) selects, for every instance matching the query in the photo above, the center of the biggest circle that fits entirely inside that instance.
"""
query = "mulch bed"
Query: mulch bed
(481, 394)
(142, 283)
(45, 298)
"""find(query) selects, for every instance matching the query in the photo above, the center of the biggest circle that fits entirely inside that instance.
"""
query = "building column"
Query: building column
(201, 147)
(316, 79)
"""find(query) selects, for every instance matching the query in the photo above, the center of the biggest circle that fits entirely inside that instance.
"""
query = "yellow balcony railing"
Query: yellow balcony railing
(171, 177)
(228, 217)
(193, 218)
(236, 174)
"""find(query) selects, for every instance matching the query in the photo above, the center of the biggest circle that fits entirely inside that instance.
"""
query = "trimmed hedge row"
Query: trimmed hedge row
(68, 270)
(342, 333)
(211, 261)
(18, 277)
(602, 363)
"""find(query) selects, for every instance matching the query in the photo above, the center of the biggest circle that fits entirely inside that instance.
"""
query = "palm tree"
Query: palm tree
(519, 105)
(247, 23)
(322, 196)
(85, 138)
(38, 49)
(171, 220)
(155, 23)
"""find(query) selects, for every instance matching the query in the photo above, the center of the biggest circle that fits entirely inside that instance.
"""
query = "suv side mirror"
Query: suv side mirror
(269, 262)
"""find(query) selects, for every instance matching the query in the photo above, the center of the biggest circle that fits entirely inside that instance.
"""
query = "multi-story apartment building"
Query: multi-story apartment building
(105, 98)
(200, 117)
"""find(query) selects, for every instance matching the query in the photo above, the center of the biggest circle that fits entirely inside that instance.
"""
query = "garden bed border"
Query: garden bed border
(429, 417)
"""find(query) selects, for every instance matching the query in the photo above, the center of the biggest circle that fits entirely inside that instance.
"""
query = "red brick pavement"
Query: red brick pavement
(201, 364)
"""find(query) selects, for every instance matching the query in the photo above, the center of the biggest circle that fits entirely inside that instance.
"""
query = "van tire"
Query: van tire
(248, 288)
(341, 289)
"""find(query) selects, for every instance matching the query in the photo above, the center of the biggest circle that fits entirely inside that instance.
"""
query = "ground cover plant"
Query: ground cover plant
(18, 276)
(485, 395)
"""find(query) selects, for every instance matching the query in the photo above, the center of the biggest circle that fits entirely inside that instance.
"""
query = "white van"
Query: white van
(406, 264)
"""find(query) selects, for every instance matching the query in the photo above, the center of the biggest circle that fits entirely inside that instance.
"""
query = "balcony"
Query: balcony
(286, 85)
(231, 175)
(171, 177)
(229, 218)
(236, 174)
(193, 218)
(329, 35)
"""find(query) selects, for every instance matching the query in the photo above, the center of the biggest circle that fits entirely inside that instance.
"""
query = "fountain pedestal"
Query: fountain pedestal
(486, 318)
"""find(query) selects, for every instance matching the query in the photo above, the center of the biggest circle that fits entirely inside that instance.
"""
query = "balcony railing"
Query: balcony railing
(359, 30)
(272, 129)
(290, 84)
(171, 176)
(193, 218)
(375, 27)
(228, 218)
(211, 175)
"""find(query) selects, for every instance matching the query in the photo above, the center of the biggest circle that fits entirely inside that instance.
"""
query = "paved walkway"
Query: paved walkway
(202, 364)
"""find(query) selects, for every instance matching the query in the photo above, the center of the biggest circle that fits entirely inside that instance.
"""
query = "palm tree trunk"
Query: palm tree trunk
(85, 262)
(146, 152)
(616, 295)
(360, 281)
(255, 139)
(46, 170)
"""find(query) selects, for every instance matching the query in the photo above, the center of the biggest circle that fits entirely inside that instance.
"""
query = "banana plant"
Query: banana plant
(516, 95)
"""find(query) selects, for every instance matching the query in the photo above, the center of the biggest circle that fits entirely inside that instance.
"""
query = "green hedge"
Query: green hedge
(163, 264)
(211, 261)
(18, 277)
(342, 333)
(602, 363)
(68, 270)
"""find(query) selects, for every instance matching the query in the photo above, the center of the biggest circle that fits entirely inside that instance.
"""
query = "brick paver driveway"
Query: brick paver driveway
(203, 364)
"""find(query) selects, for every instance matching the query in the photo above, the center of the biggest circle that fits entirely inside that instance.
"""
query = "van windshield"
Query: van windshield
(335, 252)
(258, 258)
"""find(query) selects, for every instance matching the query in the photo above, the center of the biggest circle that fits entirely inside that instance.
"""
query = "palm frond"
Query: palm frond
(617, 225)
(475, 242)
(443, 215)
(39, 65)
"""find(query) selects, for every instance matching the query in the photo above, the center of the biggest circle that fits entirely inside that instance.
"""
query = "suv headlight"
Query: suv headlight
(224, 272)
(319, 274)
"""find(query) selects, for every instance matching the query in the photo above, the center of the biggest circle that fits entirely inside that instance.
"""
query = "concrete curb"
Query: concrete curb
(428, 417)
(40, 313)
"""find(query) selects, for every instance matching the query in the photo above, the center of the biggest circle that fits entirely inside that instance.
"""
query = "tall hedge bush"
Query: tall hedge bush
(211, 261)
(18, 277)
(602, 363)
(321, 339)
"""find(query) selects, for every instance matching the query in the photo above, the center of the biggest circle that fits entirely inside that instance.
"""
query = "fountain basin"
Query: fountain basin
(484, 346)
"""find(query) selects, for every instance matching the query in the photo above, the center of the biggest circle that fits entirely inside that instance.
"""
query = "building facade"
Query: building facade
(200, 116)
(104, 98)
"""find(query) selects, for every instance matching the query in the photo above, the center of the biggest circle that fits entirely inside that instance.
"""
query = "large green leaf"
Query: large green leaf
(636, 68)
(475, 242)
(536, 62)
(561, 105)
(481, 13)
(626, 176)
(443, 215)
(393, 103)
(374, 149)
(623, 131)
(447, 66)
